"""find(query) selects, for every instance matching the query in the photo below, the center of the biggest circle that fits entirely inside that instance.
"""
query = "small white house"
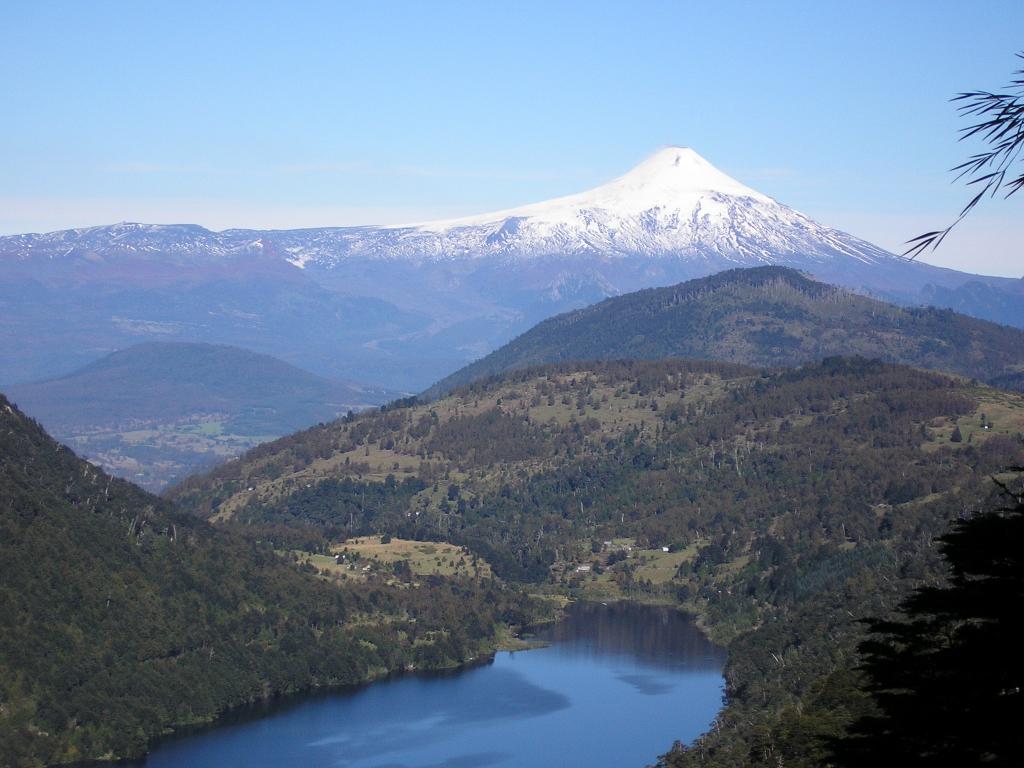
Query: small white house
(664, 549)
(582, 569)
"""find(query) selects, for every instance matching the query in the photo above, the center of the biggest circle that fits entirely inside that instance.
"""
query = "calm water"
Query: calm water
(616, 687)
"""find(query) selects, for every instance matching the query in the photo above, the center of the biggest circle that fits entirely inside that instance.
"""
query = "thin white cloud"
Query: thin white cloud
(158, 168)
(418, 171)
(45, 214)
(982, 244)
(770, 172)
(781, 179)
(495, 175)
(343, 168)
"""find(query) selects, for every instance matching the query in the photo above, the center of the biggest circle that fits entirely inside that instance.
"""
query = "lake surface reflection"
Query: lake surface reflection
(616, 687)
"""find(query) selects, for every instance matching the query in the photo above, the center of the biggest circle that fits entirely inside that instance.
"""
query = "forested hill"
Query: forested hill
(763, 316)
(157, 411)
(164, 381)
(120, 617)
(791, 503)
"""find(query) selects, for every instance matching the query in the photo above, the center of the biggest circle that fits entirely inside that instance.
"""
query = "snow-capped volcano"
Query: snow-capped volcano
(674, 204)
(674, 178)
(405, 305)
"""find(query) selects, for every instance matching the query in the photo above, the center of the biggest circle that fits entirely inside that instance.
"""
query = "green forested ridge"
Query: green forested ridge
(764, 316)
(792, 502)
(121, 617)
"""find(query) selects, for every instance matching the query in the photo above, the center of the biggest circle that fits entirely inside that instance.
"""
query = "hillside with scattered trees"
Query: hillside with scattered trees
(790, 503)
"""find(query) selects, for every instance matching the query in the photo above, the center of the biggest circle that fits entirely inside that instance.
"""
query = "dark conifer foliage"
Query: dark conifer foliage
(947, 677)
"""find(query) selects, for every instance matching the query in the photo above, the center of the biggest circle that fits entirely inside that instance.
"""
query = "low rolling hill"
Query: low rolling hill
(157, 411)
(763, 316)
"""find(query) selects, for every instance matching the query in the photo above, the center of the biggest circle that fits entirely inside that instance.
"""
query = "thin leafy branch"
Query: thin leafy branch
(1001, 126)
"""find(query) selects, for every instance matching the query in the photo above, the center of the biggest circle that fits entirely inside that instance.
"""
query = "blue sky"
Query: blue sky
(302, 114)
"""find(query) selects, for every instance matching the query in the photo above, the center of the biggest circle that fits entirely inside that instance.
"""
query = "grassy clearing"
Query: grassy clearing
(206, 428)
(506, 640)
(660, 567)
(998, 413)
(610, 578)
(425, 557)
(608, 410)
(362, 557)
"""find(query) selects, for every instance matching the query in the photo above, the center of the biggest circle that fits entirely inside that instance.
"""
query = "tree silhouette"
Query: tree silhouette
(948, 678)
(1001, 125)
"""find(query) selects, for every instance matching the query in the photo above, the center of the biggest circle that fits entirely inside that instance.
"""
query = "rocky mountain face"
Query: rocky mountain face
(403, 306)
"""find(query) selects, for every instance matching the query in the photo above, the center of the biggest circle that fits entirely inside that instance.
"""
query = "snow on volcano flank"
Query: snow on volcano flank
(416, 302)
(673, 204)
(675, 178)
(674, 208)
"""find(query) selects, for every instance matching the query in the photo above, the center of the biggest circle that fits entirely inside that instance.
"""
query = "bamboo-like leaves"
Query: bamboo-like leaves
(1002, 128)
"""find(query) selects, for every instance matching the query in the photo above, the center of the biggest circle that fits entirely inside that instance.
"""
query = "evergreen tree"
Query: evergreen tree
(948, 677)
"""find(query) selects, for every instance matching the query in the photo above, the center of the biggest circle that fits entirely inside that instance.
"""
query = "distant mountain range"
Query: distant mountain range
(404, 306)
(765, 316)
(156, 411)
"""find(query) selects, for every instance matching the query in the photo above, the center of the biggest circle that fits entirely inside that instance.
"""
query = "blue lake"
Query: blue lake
(615, 687)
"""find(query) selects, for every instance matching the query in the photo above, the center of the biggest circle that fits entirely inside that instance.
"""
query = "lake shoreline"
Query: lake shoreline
(257, 709)
(537, 636)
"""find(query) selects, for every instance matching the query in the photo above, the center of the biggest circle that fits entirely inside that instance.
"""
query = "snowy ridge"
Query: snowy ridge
(673, 205)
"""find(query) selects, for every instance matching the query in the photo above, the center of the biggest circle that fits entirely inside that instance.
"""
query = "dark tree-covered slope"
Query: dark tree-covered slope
(947, 677)
(764, 316)
(120, 617)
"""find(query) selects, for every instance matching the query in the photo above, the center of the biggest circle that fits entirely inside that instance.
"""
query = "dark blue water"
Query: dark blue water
(616, 687)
